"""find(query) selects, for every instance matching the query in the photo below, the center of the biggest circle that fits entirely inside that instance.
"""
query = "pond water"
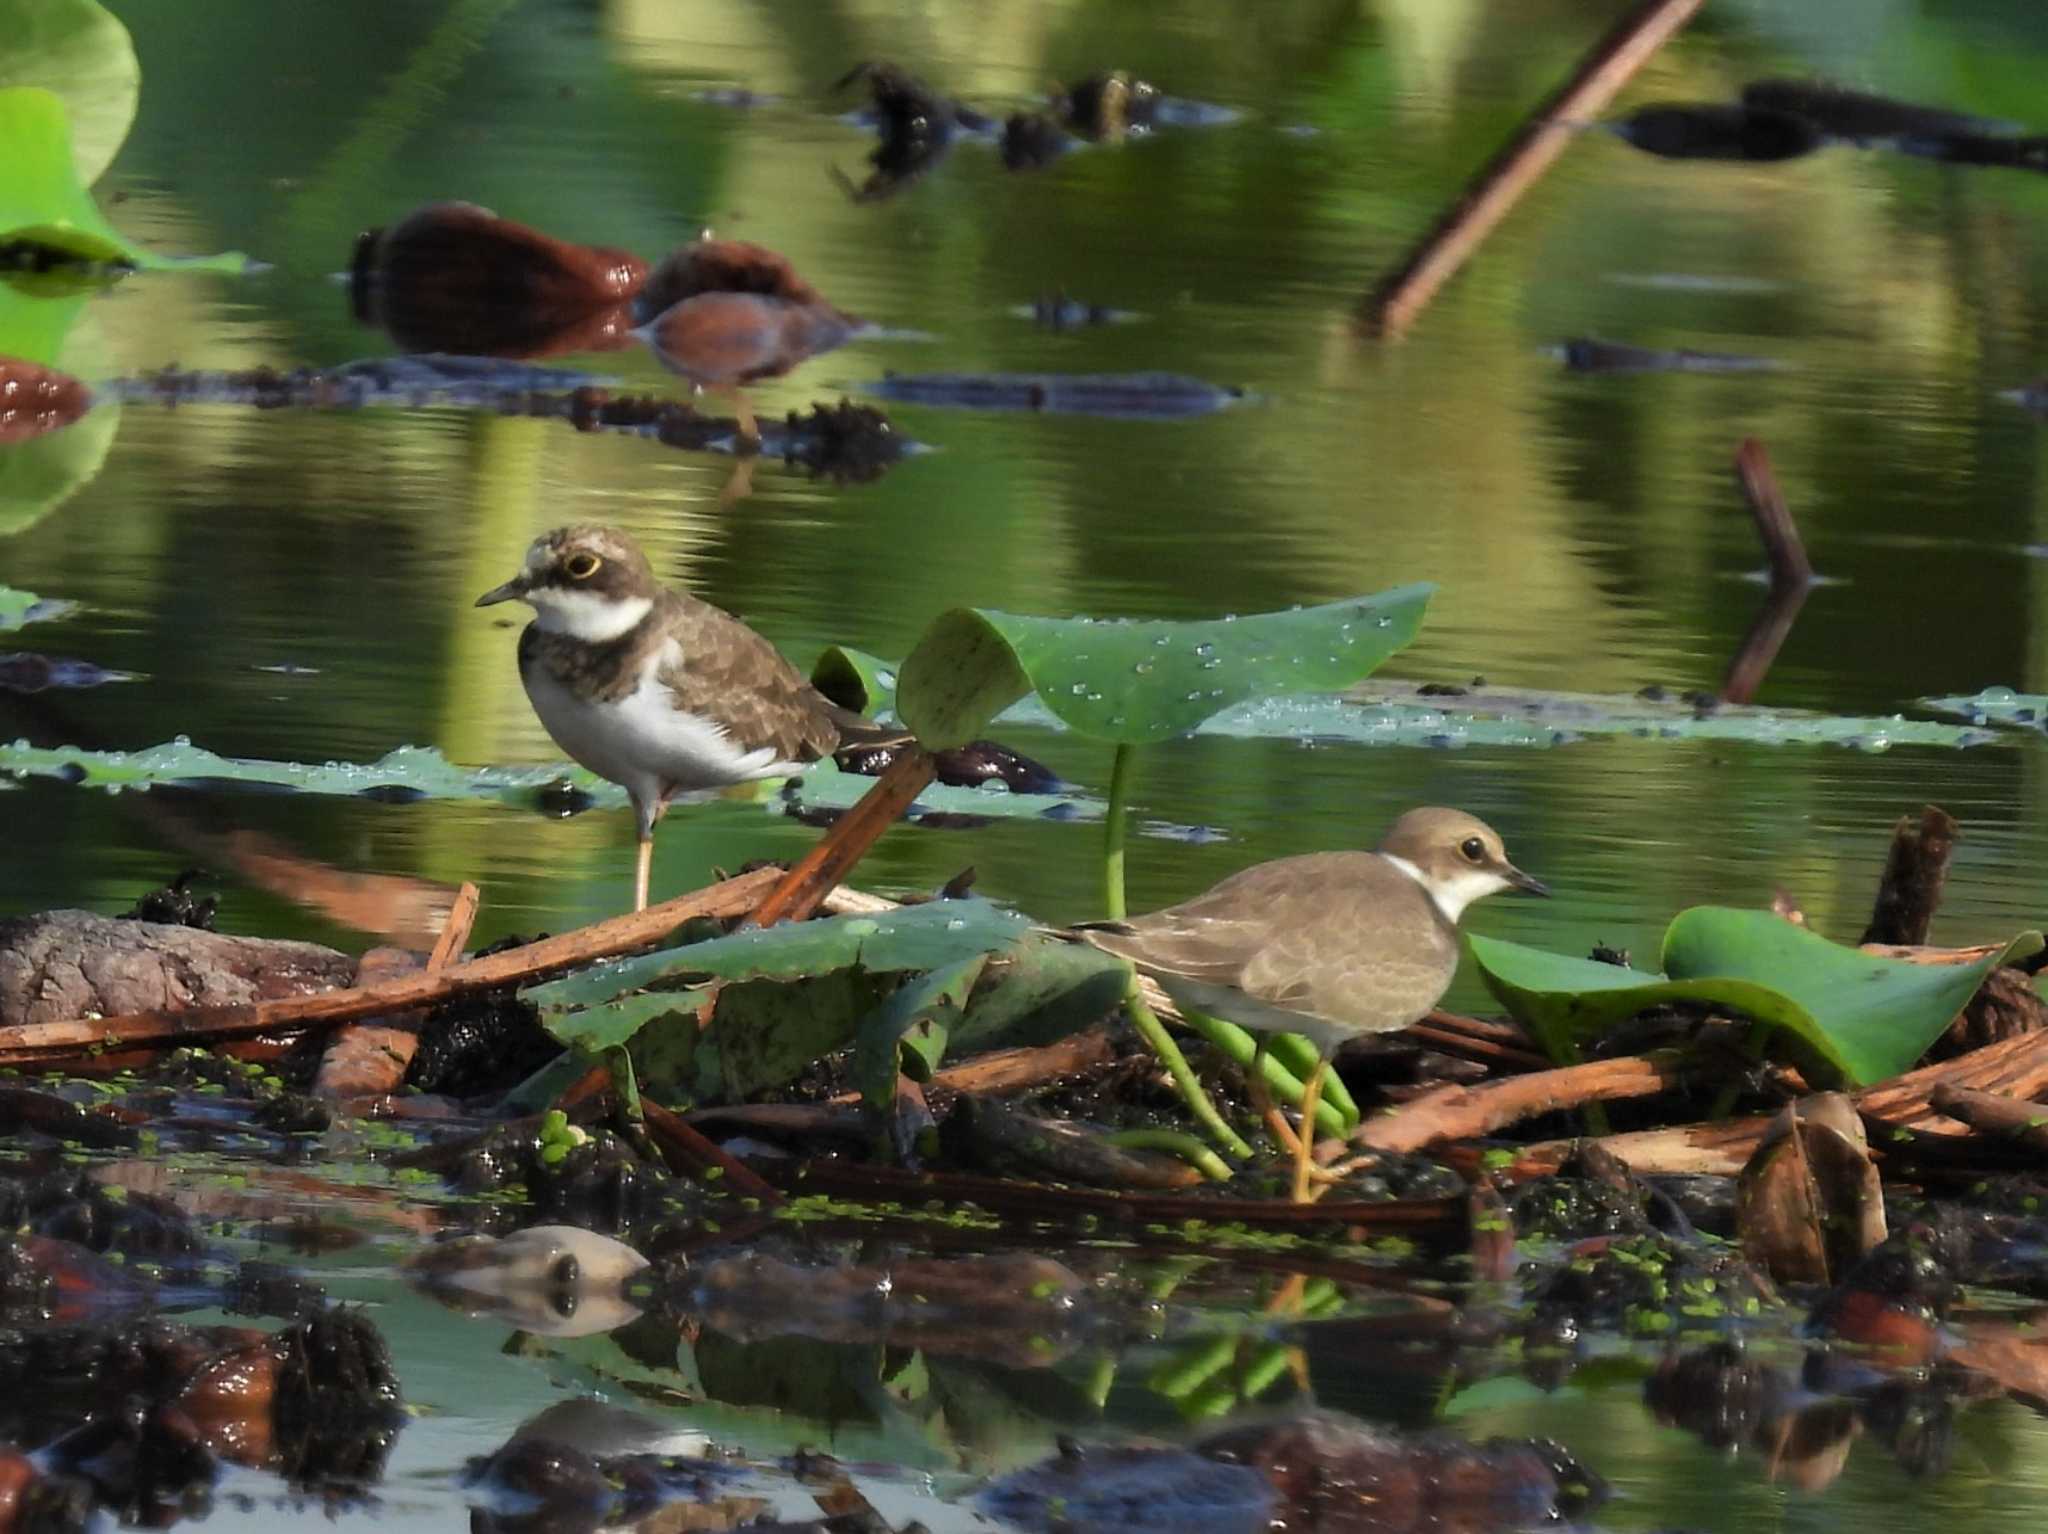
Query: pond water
(297, 585)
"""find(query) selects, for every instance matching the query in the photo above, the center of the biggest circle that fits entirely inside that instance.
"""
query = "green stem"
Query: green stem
(1299, 1056)
(1265, 1366)
(1175, 1142)
(1193, 1366)
(1113, 833)
(1243, 1049)
(1154, 1033)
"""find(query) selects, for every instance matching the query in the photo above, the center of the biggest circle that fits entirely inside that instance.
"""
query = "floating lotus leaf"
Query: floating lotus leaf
(1854, 1016)
(18, 608)
(920, 937)
(1134, 682)
(1996, 705)
(44, 202)
(855, 679)
(78, 51)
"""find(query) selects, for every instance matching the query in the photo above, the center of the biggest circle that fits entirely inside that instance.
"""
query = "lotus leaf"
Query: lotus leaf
(43, 202)
(1140, 681)
(78, 51)
(920, 937)
(1854, 1017)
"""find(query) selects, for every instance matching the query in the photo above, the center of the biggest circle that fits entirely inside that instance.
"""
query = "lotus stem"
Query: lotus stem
(1265, 1366)
(1193, 1366)
(1177, 1143)
(1243, 1050)
(1113, 833)
(1154, 1033)
(1299, 1056)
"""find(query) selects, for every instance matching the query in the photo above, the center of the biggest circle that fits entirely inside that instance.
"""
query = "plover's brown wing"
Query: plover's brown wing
(728, 674)
(1326, 945)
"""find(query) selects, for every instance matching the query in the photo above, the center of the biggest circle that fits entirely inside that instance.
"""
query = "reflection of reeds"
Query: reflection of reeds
(1490, 195)
(1791, 573)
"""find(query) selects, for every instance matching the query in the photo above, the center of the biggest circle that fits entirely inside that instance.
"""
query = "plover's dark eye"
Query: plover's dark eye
(581, 567)
(1472, 849)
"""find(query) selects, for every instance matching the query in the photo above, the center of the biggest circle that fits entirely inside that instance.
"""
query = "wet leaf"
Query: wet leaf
(908, 1032)
(410, 772)
(43, 202)
(826, 787)
(1039, 990)
(855, 679)
(1853, 1016)
(1136, 682)
(20, 608)
(81, 53)
(1809, 1203)
(765, 1033)
(1114, 396)
(1996, 705)
(928, 936)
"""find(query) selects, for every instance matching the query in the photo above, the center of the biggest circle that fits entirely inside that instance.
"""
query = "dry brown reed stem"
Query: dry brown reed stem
(1489, 196)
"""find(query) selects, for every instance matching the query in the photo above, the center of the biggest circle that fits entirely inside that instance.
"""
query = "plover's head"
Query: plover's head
(1457, 858)
(587, 582)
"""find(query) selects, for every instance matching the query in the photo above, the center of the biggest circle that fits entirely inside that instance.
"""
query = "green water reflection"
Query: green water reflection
(1583, 530)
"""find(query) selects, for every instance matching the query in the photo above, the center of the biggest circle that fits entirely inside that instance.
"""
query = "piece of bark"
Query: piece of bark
(2016, 1067)
(52, 1044)
(1993, 1113)
(1461, 1112)
(1809, 1202)
(67, 964)
(369, 1059)
(1915, 872)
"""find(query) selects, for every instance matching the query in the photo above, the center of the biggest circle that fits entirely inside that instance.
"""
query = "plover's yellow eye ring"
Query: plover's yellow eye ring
(581, 567)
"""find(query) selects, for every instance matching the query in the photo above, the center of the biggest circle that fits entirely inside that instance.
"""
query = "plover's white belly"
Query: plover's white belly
(644, 742)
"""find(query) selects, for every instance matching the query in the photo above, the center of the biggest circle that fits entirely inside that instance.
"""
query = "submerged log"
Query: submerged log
(75, 964)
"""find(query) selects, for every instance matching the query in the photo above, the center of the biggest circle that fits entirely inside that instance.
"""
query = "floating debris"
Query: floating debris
(917, 129)
(20, 608)
(1583, 354)
(416, 381)
(736, 98)
(36, 400)
(1717, 131)
(27, 671)
(453, 277)
(1032, 141)
(1695, 282)
(1056, 311)
(1106, 106)
(1859, 116)
(1980, 149)
(1125, 396)
(846, 443)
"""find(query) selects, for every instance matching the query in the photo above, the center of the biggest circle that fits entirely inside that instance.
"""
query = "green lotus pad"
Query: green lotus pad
(43, 202)
(1855, 1016)
(1132, 681)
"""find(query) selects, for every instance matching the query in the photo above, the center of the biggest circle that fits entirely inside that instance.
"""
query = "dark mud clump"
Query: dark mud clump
(915, 126)
(482, 1044)
(175, 905)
